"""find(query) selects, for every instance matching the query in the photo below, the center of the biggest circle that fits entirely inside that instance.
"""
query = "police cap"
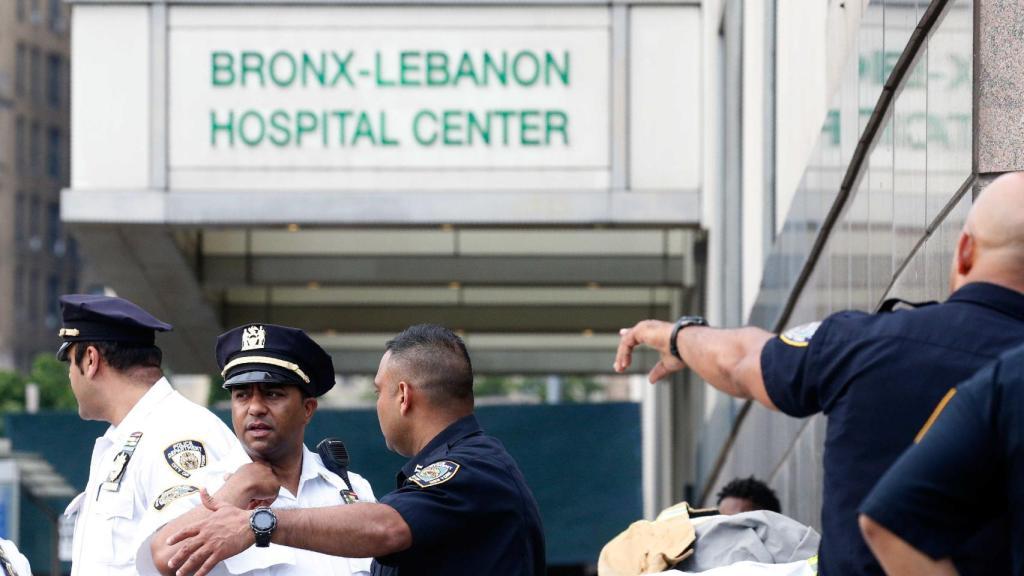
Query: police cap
(97, 318)
(259, 353)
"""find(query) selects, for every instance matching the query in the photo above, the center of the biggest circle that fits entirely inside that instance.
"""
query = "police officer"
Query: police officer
(157, 439)
(877, 377)
(275, 374)
(462, 506)
(967, 469)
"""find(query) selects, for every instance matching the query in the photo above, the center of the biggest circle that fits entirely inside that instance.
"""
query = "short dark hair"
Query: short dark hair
(122, 356)
(754, 490)
(438, 359)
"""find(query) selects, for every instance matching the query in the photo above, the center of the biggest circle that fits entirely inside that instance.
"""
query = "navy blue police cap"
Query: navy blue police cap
(264, 353)
(97, 318)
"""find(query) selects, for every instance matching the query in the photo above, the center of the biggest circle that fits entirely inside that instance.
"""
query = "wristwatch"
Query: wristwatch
(683, 322)
(263, 521)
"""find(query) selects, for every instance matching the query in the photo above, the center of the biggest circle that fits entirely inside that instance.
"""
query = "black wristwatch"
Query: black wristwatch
(263, 521)
(683, 322)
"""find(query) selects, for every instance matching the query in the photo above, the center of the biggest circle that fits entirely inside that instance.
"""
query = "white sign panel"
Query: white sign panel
(381, 98)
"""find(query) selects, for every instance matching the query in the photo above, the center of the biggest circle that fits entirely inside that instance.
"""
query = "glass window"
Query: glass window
(36, 74)
(33, 219)
(20, 143)
(19, 291)
(21, 10)
(53, 229)
(37, 13)
(20, 69)
(53, 153)
(19, 219)
(35, 148)
(33, 295)
(52, 300)
(53, 67)
(56, 16)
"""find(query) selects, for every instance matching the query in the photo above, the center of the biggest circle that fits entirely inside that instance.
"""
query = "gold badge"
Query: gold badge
(253, 338)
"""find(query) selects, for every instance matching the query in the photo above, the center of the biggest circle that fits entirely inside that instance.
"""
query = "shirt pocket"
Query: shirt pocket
(112, 533)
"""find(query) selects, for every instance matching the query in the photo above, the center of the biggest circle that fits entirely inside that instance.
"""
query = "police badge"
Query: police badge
(253, 338)
(185, 457)
(120, 463)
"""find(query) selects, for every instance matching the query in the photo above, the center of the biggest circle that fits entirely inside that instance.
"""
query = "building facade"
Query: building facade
(922, 110)
(38, 260)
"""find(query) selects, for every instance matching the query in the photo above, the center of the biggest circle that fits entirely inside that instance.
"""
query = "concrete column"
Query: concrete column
(998, 88)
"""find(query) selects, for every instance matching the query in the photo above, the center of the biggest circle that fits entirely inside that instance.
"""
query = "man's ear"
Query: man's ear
(966, 253)
(90, 362)
(310, 405)
(404, 397)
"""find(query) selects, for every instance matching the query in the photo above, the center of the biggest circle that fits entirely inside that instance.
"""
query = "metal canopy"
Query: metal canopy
(541, 300)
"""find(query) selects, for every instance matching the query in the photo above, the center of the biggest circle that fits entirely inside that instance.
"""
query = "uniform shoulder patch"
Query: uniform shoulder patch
(800, 336)
(172, 494)
(185, 457)
(436, 473)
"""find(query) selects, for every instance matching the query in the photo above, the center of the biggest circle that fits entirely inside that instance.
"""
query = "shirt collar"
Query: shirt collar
(439, 446)
(137, 416)
(994, 296)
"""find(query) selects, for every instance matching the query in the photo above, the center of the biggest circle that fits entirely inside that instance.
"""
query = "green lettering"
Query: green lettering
(384, 140)
(416, 128)
(342, 116)
(341, 68)
(261, 128)
(364, 129)
(504, 115)
(252, 62)
(378, 67)
(451, 129)
(437, 68)
(407, 66)
(280, 134)
(287, 80)
(222, 69)
(228, 127)
(525, 128)
(500, 71)
(533, 66)
(474, 126)
(550, 64)
(309, 68)
(556, 121)
(305, 123)
(466, 70)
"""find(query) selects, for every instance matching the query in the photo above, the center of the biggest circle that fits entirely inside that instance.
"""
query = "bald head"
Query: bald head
(991, 246)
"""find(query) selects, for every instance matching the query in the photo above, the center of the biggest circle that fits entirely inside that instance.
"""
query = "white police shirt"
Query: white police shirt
(318, 487)
(12, 562)
(150, 457)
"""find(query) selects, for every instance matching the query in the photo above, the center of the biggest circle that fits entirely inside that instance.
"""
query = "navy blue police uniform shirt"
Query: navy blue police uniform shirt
(469, 510)
(878, 377)
(967, 469)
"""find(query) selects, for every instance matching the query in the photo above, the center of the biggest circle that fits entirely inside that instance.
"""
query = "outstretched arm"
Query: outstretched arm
(730, 360)
(353, 530)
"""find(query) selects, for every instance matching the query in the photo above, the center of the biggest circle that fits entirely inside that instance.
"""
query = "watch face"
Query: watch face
(263, 520)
